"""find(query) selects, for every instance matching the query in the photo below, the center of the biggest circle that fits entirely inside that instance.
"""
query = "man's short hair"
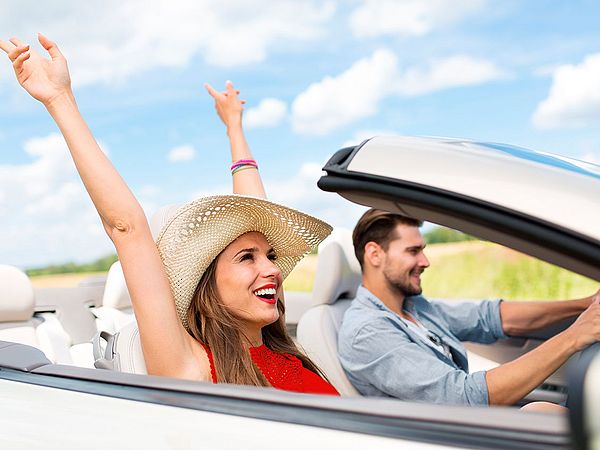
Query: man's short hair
(379, 226)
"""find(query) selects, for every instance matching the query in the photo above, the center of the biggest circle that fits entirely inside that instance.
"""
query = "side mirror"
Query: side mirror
(584, 399)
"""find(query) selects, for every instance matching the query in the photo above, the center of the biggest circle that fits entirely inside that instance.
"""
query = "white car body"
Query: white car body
(536, 203)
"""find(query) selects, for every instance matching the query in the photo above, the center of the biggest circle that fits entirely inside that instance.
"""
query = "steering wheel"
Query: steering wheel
(575, 397)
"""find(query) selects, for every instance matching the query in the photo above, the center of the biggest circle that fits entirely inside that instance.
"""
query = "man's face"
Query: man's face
(404, 261)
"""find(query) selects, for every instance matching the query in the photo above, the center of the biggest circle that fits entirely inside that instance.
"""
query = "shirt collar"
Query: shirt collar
(369, 298)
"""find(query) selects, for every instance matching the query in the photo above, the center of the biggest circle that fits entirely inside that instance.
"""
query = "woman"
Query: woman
(207, 295)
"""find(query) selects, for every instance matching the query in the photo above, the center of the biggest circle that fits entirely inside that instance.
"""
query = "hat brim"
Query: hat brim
(199, 231)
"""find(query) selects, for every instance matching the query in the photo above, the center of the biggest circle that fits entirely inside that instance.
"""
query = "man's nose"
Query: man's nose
(423, 261)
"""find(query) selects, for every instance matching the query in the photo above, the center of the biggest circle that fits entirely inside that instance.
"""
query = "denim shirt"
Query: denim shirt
(383, 357)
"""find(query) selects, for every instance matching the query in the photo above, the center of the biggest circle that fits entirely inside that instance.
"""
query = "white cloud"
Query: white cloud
(574, 98)
(46, 214)
(110, 40)
(352, 95)
(300, 191)
(409, 17)
(269, 113)
(181, 154)
(357, 92)
(445, 73)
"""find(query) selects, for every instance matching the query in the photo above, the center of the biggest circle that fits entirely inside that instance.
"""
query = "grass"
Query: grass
(486, 270)
(471, 269)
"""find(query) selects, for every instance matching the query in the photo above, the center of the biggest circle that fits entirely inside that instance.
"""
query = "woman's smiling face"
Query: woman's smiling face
(248, 281)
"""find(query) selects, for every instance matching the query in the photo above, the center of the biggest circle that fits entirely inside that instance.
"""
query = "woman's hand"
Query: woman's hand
(228, 105)
(43, 79)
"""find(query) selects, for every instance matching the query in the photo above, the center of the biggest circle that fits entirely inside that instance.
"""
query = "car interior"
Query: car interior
(114, 342)
(117, 357)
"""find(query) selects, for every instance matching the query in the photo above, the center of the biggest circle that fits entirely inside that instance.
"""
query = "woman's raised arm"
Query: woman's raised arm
(246, 179)
(167, 346)
(49, 82)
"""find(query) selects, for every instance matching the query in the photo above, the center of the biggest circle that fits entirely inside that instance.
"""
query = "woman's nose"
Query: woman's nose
(269, 269)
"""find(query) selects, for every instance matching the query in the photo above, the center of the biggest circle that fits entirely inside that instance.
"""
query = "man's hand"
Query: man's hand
(586, 329)
(43, 79)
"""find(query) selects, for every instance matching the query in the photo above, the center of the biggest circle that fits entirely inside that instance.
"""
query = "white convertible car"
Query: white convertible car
(72, 373)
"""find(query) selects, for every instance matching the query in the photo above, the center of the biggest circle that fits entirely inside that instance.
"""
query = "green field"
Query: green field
(470, 269)
(484, 270)
(476, 269)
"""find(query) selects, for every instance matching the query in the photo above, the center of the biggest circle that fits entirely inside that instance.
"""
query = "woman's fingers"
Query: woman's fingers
(18, 42)
(18, 62)
(220, 95)
(214, 94)
(6, 46)
(50, 46)
(230, 89)
(16, 52)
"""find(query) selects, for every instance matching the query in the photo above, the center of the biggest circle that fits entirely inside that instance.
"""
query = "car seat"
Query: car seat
(336, 281)
(121, 351)
(19, 324)
(116, 310)
(118, 347)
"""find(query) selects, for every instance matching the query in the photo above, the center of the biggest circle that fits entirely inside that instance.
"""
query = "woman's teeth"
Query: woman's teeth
(265, 292)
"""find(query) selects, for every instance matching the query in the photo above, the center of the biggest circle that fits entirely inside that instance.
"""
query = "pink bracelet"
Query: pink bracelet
(247, 163)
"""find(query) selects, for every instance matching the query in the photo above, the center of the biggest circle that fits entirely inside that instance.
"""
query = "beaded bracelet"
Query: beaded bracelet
(240, 168)
(243, 164)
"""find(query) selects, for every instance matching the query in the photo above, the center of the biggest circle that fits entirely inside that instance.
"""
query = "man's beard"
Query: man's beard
(403, 287)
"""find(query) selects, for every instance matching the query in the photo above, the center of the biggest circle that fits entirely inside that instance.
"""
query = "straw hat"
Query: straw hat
(195, 234)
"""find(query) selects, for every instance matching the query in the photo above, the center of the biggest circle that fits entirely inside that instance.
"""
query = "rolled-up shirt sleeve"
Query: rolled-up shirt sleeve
(475, 322)
(390, 362)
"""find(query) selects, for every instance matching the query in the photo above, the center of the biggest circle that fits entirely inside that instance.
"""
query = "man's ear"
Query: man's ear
(373, 254)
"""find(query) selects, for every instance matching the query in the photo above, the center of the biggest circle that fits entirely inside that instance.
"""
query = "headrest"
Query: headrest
(338, 271)
(17, 299)
(160, 218)
(116, 294)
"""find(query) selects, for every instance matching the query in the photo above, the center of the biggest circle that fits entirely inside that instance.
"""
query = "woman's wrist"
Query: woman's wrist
(234, 128)
(60, 100)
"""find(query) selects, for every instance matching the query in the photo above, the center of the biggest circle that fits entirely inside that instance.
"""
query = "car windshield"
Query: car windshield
(548, 159)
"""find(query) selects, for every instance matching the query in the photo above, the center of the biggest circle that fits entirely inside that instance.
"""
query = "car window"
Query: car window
(476, 269)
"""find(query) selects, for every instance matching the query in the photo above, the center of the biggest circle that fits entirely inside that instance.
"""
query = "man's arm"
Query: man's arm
(520, 318)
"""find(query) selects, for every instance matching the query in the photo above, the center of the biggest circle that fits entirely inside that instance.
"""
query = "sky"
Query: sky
(317, 76)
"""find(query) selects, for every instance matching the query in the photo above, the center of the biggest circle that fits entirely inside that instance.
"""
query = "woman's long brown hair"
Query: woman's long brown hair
(217, 328)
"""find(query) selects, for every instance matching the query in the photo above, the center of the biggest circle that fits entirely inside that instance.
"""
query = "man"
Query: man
(393, 342)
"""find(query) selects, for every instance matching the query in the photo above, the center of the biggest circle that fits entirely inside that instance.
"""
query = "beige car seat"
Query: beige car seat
(119, 348)
(116, 310)
(18, 323)
(121, 351)
(336, 281)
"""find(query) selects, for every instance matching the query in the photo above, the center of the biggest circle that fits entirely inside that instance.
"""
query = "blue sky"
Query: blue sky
(316, 75)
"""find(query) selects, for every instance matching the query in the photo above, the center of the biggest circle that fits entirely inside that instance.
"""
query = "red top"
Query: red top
(283, 371)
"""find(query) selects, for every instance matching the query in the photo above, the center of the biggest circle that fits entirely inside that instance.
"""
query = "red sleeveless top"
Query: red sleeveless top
(283, 371)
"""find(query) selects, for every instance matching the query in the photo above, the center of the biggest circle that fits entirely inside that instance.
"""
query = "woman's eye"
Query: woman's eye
(272, 257)
(247, 257)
